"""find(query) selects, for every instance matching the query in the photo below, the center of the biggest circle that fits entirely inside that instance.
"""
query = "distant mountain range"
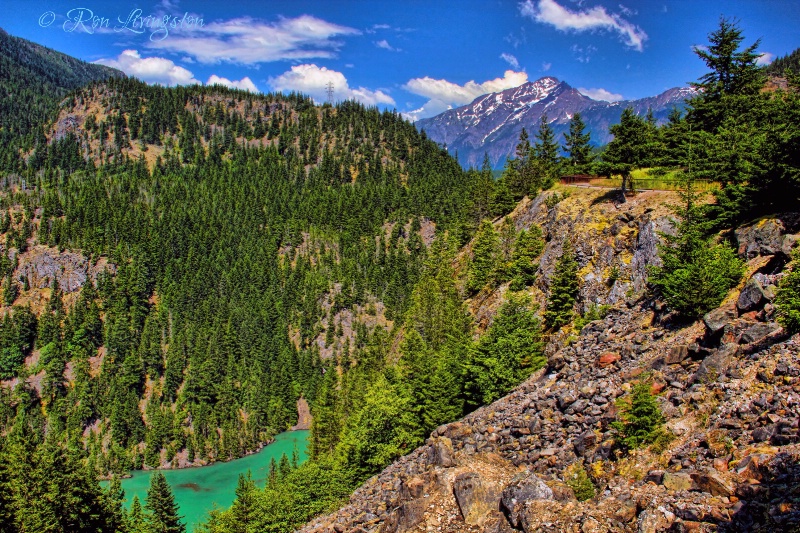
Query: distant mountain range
(492, 123)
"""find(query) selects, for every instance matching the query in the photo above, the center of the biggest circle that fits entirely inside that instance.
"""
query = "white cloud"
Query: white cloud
(595, 18)
(246, 40)
(765, 59)
(546, 66)
(150, 69)
(601, 94)
(510, 59)
(376, 27)
(312, 80)
(386, 46)
(245, 83)
(443, 94)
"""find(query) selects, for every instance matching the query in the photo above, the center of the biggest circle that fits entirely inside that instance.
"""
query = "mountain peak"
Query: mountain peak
(492, 122)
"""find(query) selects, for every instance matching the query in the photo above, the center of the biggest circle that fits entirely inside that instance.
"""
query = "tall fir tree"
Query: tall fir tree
(564, 287)
(484, 255)
(576, 145)
(162, 510)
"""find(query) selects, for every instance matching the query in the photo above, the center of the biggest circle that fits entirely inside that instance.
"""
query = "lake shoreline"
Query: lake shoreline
(199, 490)
(168, 466)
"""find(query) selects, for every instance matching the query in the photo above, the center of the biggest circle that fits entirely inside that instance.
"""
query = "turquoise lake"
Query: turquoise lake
(198, 490)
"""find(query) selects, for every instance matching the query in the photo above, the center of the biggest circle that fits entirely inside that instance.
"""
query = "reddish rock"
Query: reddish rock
(721, 464)
(608, 359)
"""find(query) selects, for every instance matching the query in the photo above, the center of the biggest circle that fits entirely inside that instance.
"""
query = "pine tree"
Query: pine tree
(244, 506)
(509, 351)
(483, 191)
(564, 287)
(576, 145)
(114, 500)
(163, 511)
(524, 264)
(640, 420)
(546, 148)
(787, 299)
(137, 520)
(484, 255)
(695, 274)
(733, 72)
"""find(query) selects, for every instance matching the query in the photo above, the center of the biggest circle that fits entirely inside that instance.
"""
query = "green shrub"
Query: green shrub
(553, 200)
(595, 312)
(578, 480)
(695, 275)
(788, 298)
(640, 421)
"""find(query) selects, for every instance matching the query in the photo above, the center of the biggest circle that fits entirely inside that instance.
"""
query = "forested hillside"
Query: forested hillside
(181, 265)
(33, 81)
(227, 268)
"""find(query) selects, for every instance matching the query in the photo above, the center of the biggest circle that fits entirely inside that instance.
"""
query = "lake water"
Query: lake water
(198, 490)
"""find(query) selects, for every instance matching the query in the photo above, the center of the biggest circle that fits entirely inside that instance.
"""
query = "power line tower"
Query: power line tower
(329, 91)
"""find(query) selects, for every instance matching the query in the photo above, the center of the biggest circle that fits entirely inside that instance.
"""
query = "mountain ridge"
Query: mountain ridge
(492, 122)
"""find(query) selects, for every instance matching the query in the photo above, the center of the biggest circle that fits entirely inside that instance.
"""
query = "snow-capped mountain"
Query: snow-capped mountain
(492, 122)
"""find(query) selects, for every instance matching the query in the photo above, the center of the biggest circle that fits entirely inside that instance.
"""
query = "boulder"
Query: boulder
(788, 244)
(646, 252)
(750, 467)
(765, 433)
(413, 488)
(716, 364)
(718, 318)
(752, 296)
(759, 332)
(476, 499)
(713, 483)
(440, 452)
(761, 238)
(523, 488)
(677, 353)
(676, 481)
(585, 443)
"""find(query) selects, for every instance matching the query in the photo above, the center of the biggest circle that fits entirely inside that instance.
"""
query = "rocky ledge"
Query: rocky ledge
(728, 386)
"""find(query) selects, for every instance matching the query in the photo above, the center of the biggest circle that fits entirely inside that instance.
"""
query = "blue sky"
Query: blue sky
(417, 57)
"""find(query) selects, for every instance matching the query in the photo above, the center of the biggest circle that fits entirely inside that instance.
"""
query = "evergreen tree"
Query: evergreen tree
(524, 262)
(640, 420)
(137, 520)
(510, 350)
(635, 145)
(787, 299)
(162, 510)
(564, 287)
(485, 250)
(114, 499)
(733, 72)
(244, 506)
(484, 189)
(379, 432)
(546, 147)
(576, 145)
(695, 274)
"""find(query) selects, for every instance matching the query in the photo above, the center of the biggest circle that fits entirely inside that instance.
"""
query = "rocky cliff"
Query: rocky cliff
(728, 386)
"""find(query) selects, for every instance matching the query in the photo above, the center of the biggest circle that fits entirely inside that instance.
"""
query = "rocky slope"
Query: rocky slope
(492, 122)
(728, 386)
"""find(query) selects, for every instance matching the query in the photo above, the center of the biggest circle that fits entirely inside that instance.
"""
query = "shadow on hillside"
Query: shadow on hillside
(610, 196)
(773, 504)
